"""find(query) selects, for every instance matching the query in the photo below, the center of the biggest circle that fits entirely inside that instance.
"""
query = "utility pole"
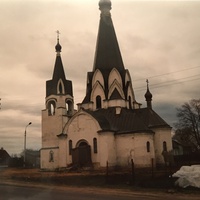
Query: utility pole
(25, 143)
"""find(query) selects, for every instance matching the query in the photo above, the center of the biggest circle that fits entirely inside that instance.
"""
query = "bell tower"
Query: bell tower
(59, 105)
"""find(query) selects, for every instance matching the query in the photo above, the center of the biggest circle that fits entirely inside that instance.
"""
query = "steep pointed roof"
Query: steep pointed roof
(107, 54)
(107, 57)
(58, 67)
(58, 74)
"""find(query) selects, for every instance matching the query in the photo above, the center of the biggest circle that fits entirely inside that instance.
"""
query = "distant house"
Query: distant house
(4, 158)
(180, 148)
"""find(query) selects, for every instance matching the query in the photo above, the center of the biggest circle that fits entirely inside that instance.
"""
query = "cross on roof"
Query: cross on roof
(58, 33)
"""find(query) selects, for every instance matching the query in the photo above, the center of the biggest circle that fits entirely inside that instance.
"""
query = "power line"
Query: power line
(169, 83)
(186, 69)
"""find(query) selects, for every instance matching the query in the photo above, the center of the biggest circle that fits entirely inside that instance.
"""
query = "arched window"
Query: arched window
(70, 147)
(95, 145)
(51, 108)
(69, 107)
(51, 156)
(164, 146)
(148, 146)
(98, 102)
(60, 88)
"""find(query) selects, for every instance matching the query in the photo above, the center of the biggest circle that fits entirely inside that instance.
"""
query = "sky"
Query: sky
(159, 41)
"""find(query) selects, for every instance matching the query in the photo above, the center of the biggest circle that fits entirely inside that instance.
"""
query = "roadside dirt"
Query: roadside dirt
(86, 179)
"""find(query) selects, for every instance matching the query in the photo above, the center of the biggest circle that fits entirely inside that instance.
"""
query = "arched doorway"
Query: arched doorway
(81, 155)
(82, 143)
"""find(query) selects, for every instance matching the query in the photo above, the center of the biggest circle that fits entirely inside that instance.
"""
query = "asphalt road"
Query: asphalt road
(23, 192)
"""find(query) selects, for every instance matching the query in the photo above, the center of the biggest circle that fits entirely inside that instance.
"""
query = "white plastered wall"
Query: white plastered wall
(133, 146)
(108, 149)
(162, 135)
(82, 127)
(52, 126)
(45, 161)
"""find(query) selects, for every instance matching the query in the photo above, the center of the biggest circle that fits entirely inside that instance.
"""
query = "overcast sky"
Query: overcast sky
(159, 40)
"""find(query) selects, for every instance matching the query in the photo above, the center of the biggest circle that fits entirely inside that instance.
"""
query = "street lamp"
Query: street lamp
(25, 142)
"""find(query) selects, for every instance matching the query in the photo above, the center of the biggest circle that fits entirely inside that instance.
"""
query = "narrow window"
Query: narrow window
(164, 146)
(60, 88)
(69, 107)
(51, 157)
(51, 108)
(148, 146)
(70, 147)
(129, 101)
(98, 102)
(95, 145)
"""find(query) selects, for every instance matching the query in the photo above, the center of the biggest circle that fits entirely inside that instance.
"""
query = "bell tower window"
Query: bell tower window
(69, 107)
(51, 108)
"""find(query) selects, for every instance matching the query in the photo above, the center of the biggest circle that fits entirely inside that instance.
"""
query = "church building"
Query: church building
(109, 126)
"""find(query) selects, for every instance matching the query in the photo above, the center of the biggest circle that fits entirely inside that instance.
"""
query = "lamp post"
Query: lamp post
(25, 143)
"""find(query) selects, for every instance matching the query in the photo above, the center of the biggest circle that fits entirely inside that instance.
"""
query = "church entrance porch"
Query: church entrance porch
(81, 155)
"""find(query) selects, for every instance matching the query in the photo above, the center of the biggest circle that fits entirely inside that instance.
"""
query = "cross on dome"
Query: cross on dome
(58, 46)
(58, 33)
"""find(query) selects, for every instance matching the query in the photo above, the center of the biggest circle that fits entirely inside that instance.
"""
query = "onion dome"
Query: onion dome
(58, 47)
(148, 96)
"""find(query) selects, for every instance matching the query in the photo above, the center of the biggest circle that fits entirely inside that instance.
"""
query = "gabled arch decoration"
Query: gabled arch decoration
(117, 86)
(128, 77)
(98, 77)
(130, 95)
(97, 91)
(77, 115)
(114, 75)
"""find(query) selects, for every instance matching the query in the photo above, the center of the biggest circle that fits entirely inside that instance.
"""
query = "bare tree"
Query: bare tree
(188, 126)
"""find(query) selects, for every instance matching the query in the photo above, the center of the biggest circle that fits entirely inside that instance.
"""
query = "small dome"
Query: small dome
(148, 95)
(58, 47)
(105, 4)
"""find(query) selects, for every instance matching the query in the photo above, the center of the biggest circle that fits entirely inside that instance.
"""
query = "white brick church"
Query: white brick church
(110, 126)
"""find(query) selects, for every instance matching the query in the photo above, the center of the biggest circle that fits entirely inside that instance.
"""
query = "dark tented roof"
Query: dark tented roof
(58, 73)
(58, 70)
(138, 120)
(108, 55)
